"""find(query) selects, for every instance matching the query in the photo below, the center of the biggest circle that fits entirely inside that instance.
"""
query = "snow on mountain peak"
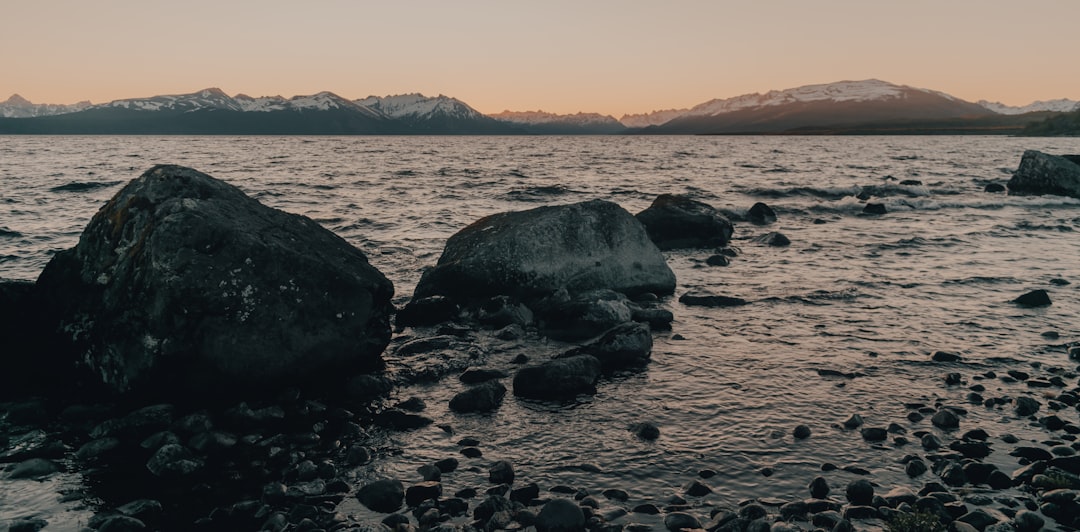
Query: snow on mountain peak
(416, 106)
(1062, 105)
(842, 91)
(541, 117)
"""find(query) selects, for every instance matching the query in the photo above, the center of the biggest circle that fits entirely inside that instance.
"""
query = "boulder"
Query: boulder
(1041, 173)
(531, 254)
(678, 222)
(561, 378)
(182, 281)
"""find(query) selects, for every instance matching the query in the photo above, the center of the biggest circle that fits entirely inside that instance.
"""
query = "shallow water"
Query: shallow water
(871, 295)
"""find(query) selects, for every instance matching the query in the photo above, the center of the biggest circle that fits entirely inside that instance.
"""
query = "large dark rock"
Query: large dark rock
(1041, 173)
(677, 222)
(560, 515)
(531, 254)
(558, 379)
(183, 281)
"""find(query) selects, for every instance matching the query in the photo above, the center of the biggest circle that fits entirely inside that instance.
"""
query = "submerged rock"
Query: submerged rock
(677, 222)
(774, 239)
(1034, 298)
(761, 214)
(183, 281)
(874, 208)
(1041, 173)
(480, 398)
(531, 254)
(558, 379)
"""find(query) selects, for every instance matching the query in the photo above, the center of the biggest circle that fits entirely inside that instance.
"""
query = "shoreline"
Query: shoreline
(305, 454)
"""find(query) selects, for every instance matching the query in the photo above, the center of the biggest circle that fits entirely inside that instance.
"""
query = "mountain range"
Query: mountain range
(868, 106)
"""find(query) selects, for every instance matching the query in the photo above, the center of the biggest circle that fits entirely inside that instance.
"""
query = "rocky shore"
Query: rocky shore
(211, 365)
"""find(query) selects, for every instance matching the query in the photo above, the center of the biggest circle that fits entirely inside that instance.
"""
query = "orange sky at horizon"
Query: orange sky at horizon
(606, 56)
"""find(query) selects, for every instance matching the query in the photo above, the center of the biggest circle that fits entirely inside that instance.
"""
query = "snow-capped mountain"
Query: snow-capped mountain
(18, 107)
(654, 118)
(1062, 105)
(419, 107)
(205, 99)
(579, 123)
(433, 114)
(842, 104)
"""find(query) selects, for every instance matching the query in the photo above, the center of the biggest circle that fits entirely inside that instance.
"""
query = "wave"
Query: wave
(840, 192)
(539, 193)
(83, 186)
(9, 233)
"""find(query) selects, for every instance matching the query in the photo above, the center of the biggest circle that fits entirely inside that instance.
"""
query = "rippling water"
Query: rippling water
(870, 295)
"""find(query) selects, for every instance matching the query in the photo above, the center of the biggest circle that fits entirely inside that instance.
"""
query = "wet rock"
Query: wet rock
(945, 419)
(531, 254)
(1041, 173)
(447, 465)
(183, 282)
(121, 523)
(27, 524)
(710, 300)
(801, 432)
(645, 430)
(501, 472)
(626, 345)
(418, 493)
(853, 421)
(979, 518)
(773, 239)
(426, 311)
(585, 315)
(33, 468)
(945, 356)
(1028, 521)
(718, 260)
(525, 494)
(503, 311)
(994, 187)
(479, 375)
(657, 319)
(484, 397)
(971, 449)
(172, 461)
(558, 379)
(697, 488)
(678, 521)
(761, 214)
(560, 515)
(397, 419)
(1034, 298)
(677, 222)
(860, 492)
(383, 496)
(874, 434)
(819, 488)
(1026, 406)
(874, 208)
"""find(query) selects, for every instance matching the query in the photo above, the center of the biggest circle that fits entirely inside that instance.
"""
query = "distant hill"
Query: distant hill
(834, 106)
(1059, 125)
(845, 107)
(541, 123)
(212, 112)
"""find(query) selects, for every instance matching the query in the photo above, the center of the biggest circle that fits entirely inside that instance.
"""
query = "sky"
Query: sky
(607, 56)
